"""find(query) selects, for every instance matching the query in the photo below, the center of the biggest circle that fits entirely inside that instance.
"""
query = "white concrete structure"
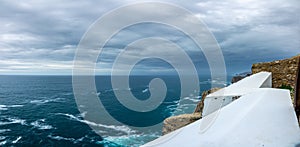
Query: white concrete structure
(226, 95)
(260, 117)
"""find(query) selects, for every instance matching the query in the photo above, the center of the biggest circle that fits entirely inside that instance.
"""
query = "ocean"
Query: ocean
(42, 111)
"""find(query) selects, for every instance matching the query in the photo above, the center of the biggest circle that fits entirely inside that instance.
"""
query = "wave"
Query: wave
(198, 97)
(85, 138)
(187, 105)
(185, 108)
(13, 121)
(15, 141)
(40, 124)
(5, 107)
(3, 142)
(217, 82)
(181, 109)
(4, 130)
(46, 101)
(172, 102)
(173, 105)
(60, 138)
(123, 128)
(192, 99)
(205, 82)
(145, 90)
(116, 89)
(134, 140)
(182, 105)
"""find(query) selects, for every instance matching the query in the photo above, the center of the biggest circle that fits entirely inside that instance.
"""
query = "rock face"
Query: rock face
(239, 77)
(285, 74)
(175, 122)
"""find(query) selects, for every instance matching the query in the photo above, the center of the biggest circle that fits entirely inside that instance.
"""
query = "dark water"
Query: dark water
(41, 111)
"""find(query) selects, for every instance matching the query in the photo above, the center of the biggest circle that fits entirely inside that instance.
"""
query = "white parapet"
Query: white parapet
(263, 117)
(226, 95)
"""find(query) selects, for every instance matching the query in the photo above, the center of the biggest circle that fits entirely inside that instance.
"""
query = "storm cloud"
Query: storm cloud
(40, 37)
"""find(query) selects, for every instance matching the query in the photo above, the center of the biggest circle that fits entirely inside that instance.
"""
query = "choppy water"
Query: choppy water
(41, 110)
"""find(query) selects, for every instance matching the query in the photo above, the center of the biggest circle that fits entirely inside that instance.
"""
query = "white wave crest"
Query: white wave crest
(217, 82)
(192, 99)
(171, 102)
(2, 107)
(123, 128)
(133, 140)
(60, 138)
(13, 121)
(74, 140)
(198, 97)
(3, 142)
(40, 124)
(47, 101)
(145, 90)
(4, 130)
(5, 107)
(15, 141)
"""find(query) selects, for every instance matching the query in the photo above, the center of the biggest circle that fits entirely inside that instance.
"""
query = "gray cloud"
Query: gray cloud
(253, 31)
(40, 37)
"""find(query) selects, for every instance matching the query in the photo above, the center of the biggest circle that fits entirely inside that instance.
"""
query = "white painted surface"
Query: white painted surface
(223, 97)
(264, 117)
(246, 85)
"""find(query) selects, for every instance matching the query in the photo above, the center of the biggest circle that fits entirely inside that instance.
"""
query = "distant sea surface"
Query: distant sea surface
(41, 111)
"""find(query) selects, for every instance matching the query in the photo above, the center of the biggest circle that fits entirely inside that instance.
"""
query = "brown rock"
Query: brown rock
(175, 122)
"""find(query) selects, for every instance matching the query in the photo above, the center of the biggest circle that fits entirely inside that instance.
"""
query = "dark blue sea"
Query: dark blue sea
(42, 111)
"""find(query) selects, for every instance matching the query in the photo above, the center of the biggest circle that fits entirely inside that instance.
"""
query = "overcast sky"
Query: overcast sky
(40, 37)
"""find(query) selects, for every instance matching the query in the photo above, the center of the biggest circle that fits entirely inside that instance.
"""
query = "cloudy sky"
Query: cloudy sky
(40, 37)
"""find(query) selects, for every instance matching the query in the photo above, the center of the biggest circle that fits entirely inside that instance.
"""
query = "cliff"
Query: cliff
(175, 122)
